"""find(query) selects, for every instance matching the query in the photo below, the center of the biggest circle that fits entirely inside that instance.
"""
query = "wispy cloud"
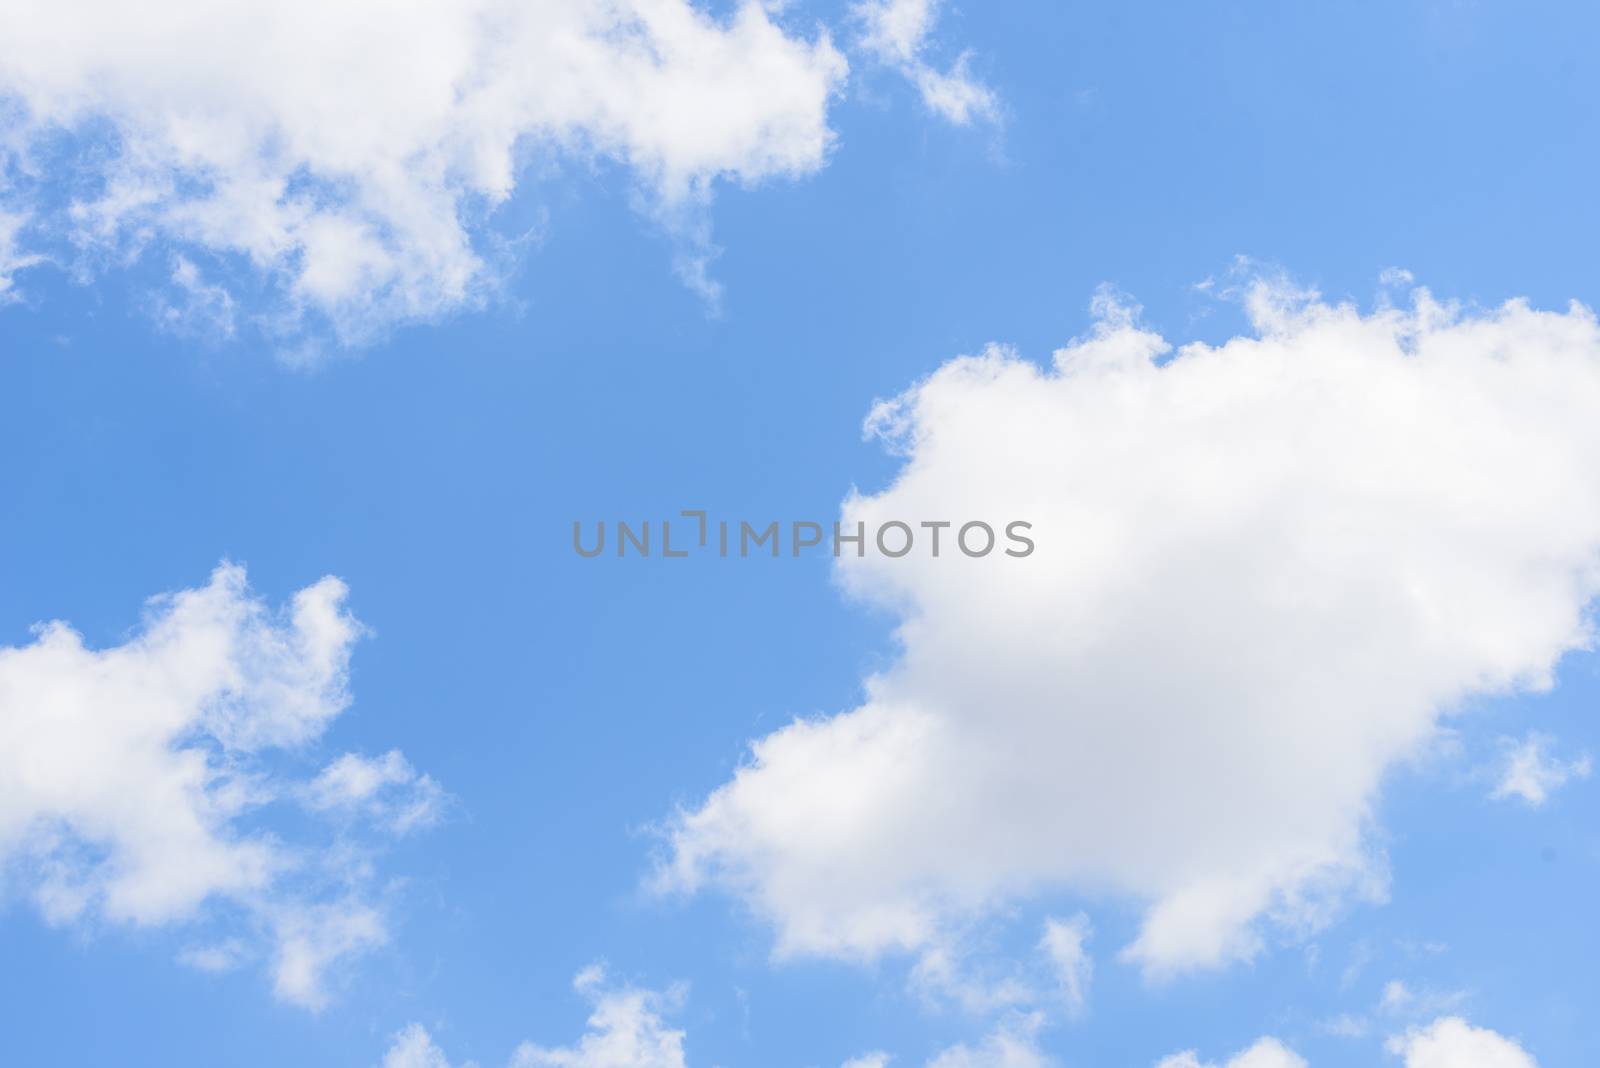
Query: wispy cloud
(897, 33)
(1529, 772)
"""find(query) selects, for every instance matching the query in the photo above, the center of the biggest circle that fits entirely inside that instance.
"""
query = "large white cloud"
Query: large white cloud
(130, 776)
(348, 148)
(1265, 571)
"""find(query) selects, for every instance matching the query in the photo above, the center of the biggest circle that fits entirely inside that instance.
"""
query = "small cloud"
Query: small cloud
(868, 1060)
(385, 789)
(216, 958)
(1528, 772)
(1266, 1053)
(1398, 999)
(1395, 277)
(413, 1047)
(314, 938)
(1346, 1025)
(1013, 1043)
(191, 307)
(896, 32)
(625, 1030)
(1064, 944)
(947, 973)
(12, 258)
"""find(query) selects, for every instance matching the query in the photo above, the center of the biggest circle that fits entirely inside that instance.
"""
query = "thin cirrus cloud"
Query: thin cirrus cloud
(1188, 696)
(131, 779)
(349, 151)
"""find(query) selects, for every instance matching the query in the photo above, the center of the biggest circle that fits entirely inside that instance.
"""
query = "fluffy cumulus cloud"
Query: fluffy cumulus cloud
(896, 33)
(1529, 772)
(1266, 570)
(131, 778)
(1451, 1042)
(349, 150)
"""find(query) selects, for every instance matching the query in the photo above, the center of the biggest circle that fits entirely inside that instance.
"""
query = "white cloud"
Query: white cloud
(965, 972)
(1266, 1053)
(1398, 999)
(625, 1030)
(896, 32)
(218, 957)
(870, 1060)
(311, 938)
(1012, 1044)
(413, 1047)
(193, 307)
(1065, 946)
(385, 789)
(1265, 571)
(129, 775)
(1346, 1025)
(12, 258)
(352, 151)
(1530, 773)
(1451, 1042)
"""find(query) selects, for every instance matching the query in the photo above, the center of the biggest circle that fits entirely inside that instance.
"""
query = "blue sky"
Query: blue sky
(433, 450)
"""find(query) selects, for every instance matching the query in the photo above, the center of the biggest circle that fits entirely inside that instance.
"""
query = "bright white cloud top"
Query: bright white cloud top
(128, 777)
(349, 149)
(1451, 1042)
(1266, 571)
